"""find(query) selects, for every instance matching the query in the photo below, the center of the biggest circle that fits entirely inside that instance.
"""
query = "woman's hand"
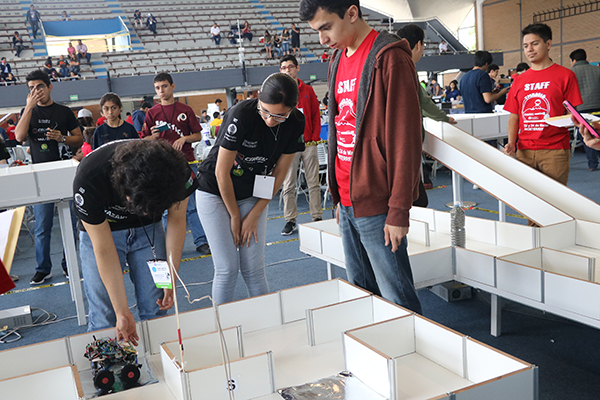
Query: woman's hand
(236, 228)
(249, 228)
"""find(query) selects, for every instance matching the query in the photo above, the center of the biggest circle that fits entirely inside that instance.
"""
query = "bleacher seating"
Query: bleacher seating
(182, 42)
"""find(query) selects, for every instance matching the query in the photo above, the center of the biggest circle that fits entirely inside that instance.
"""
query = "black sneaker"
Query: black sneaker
(317, 219)
(289, 228)
(40, 278)
(203, 249)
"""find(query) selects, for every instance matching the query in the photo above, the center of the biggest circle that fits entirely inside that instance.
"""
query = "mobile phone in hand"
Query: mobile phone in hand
(580, 118)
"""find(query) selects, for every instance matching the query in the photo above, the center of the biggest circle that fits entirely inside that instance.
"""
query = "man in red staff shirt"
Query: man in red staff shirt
(183, 129)
(374, 146)
(535, 95)
(309, 105)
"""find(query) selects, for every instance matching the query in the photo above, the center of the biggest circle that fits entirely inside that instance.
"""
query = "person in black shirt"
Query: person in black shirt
(114, 128)
(17, 44)
(120, 193)
(255, 146)
(46, 125)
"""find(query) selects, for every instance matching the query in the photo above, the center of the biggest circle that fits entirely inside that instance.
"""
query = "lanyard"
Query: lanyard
(153, 232)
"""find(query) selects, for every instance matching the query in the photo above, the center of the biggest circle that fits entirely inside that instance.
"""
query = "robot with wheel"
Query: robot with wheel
(115, 366)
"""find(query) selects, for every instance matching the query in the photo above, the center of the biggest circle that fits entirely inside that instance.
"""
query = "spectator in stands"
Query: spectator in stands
(285, 41)
(539, 93)
(10, 79)
(46, 124)
(443, 47)
(295, 40)
(114, 128)
(84, 116)
(123, 179)
(65, 16)
(276, 49)
(48, 68)
(4, 68)
(476, 86)
(33, 17)
(139, 116)
(54, 75)
(453, 94)
(63, 66)
(73, 76)
(71, 50)
(308, 103)
(588, 77)
(247, 31)
(268, 44)
(215, 32)
(258, 137)
(183, 130)
(325, 56)
(74, 66)
(217, 121)
(82, 52)
(137, 18)
(17, 44)
(374, 146)
(151, 23)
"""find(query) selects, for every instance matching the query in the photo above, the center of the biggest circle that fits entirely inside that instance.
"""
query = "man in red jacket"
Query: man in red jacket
(374, 146)
(309, 105)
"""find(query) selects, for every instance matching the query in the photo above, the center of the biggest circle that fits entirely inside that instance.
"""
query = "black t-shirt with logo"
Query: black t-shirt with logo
(95, 198)
(104, 134)
(258, 147)
(54, 116)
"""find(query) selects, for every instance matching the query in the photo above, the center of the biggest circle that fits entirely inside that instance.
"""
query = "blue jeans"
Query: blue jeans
(227, 258)
(285, 47)
(217, 39)
(134, 250)
(44, 220)
(372, 265)
(192, 217)
(88, 56)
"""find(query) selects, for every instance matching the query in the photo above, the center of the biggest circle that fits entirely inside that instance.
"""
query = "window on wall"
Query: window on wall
(466, 32)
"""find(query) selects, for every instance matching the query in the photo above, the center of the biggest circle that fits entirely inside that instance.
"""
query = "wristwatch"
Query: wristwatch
(64, 139)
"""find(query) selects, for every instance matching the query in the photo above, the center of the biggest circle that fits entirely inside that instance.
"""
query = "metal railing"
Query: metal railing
(566, 11)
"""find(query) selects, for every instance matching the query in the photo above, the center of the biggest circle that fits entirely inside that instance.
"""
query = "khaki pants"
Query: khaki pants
(553, 163)
(310, 159)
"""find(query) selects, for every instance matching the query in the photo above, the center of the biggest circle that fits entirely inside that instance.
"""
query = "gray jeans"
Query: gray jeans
(227, 258)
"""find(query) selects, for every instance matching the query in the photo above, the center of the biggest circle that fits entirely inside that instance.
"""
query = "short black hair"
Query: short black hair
(216, 114)
(522, 67)
(308, 8)
(542, 30)
(10, 121)
(163, 76)
(413, 33)
(146, 105)
(493, 67)
(482, 58)
(279, 88)
(112, 97)
(288, 57)
(149, 176)
(218, 101)
(38, 75)
(578, 55)
(16, 32)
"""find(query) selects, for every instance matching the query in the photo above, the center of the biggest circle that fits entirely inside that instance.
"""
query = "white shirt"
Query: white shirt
(443, 47)
(215, 30)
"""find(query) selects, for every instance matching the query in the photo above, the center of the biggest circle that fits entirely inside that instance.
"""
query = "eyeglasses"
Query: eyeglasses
(276, 117)
(291, 66)
(37, 87)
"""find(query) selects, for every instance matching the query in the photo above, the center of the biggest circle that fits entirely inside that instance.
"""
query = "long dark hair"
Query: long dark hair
(279, 88)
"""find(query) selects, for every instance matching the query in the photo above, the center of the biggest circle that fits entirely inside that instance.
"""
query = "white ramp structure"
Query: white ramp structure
(551, 267)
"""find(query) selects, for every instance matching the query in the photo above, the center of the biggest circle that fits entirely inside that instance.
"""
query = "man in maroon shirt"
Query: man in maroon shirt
(182, 129)
(309, 106)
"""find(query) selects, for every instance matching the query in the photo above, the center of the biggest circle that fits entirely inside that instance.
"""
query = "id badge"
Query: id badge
(160, 273)
(263, 186)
